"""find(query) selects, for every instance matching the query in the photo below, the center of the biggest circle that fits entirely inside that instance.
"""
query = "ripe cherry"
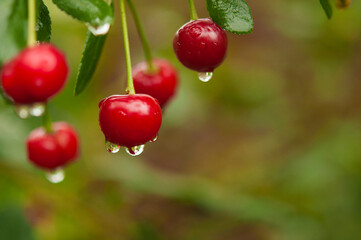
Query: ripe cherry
(34, 75)
(53, 150)
(160, 84)
(200, 45)
(130, 120)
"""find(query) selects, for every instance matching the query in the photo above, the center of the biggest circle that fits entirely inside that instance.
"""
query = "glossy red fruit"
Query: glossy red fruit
(53, 150)
(34, 75)
(200, 45)
(130, 120)
(160, 84)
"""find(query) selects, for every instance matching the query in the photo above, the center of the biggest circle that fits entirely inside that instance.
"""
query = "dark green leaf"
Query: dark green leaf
(43, 22)
(92, 50)
(232, 15)
(326, 5)
(13, 28)
(94, 12)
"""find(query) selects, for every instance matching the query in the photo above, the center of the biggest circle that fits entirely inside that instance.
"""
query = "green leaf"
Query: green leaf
(232, 15)
(92, 50)
(326, 5)
(94, 12)
(13, 28)
(43, 22)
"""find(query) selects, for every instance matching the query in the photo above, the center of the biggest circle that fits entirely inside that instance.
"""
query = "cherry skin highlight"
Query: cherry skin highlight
(130, 120)
(53, 150)
(161, 84)
(200, 45)
(35, 74)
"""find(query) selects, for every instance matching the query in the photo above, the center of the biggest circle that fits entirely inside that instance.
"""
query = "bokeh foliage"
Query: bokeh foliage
(268, 149)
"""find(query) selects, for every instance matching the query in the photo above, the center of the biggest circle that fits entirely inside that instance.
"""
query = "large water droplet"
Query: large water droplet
(112, 147)
(37, 109)
(56, 176)
(99, 30)
(205, 76)
(22, 111)
(135, 151)
(154, 139)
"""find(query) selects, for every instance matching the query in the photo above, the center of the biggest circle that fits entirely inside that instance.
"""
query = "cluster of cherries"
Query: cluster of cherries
(39, 72)
(30, 79)
(135, 119)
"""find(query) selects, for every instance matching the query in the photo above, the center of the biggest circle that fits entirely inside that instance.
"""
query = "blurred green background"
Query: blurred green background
(269, 149)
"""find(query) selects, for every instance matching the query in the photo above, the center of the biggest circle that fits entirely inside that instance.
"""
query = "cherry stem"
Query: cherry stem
(193, 10)
(31, 23)
(130, 85)
(142, 35)
(47, 123)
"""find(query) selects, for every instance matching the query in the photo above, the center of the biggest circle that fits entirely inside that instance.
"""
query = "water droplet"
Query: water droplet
(22, 111)
(154, 139)
(205, 76)
(135, 151)
(99, 30)
(39, 25)
(112, 147)
(56, 176)
(37, 109)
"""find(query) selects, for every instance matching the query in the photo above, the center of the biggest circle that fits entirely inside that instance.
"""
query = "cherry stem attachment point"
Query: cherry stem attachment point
(130, 85)
(47, 123)
(193, 10)
(31, 23)
(142, 35)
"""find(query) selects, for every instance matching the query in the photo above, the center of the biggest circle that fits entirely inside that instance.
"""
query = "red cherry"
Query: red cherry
(200, 45)
(35, 74)
(53, 150)
(161, 84)
(130, 120)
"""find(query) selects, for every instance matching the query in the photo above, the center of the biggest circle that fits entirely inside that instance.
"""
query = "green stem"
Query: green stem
(31, 23)
(130, 86)
(47, 123)
(142, 35)
(193, 10)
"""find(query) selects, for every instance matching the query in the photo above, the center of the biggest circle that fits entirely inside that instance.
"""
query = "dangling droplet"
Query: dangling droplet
(22, 111)
(37, 109)
(99, 30)
(154, 139)
(112, 147)
(205, 76)
(56, 176)
(135, 151)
